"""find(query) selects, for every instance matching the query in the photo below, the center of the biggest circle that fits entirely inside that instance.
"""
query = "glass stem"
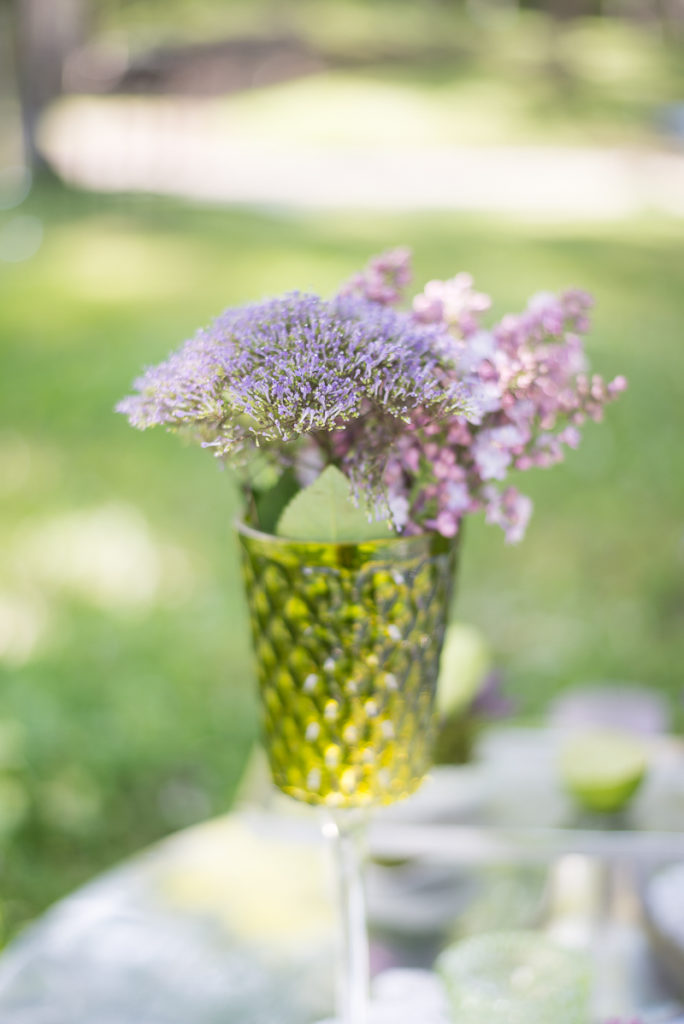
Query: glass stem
(345, 832)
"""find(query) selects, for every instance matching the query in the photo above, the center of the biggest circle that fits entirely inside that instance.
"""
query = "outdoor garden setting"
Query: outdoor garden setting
(197, 158)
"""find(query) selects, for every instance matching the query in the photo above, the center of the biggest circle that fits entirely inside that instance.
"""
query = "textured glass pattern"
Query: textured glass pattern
(516, 978)
(347, 640)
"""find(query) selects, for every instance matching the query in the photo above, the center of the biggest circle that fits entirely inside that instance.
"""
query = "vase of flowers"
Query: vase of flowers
(362, 435)
(347, 639)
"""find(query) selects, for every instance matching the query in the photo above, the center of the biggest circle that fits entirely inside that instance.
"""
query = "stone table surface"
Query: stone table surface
(229, 921)
(233, 920)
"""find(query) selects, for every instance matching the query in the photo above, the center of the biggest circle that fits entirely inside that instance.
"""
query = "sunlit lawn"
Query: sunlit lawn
(430, 74)
(615, 90)
(126, 703)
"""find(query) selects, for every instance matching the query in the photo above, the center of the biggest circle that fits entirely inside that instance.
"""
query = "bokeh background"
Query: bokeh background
(162, 159)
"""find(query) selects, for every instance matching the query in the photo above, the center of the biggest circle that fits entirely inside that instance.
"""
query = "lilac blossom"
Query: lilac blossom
(508, 509)
(454, 302)
(384, 279)
(427, 412)
(529, 377)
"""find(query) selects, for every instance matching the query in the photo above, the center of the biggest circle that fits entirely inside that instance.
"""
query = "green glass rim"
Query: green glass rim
(397, 545)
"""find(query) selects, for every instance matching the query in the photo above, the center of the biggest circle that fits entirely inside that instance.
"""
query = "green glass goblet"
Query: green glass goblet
(347, 640)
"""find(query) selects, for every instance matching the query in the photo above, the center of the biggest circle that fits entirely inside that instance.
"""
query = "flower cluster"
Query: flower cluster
(529, 380)
(271, 374)
(425, 411)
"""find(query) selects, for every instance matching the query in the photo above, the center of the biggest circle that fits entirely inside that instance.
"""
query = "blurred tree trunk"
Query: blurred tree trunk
(564, 10)
(13, 177)
(45, 33)
(670, 14)
(559, 12)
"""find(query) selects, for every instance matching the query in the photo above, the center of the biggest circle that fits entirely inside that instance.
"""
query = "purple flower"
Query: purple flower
(298, 367)
(426, 412)
(288, 367)
(490, 702)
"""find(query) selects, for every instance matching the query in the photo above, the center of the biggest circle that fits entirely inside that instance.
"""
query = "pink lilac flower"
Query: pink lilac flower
(384, 279)
(454, 302)
(493, 450)
(529, 377)
(508, 509)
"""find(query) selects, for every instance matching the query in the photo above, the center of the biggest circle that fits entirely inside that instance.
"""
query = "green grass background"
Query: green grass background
(128, 720)
(127, 707)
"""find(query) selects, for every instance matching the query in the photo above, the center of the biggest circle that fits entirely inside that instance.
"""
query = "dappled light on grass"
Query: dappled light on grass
(111, 261)
(23, 622)
(70, 801)
(506, 102)
(106, 556)
(15, 463)
(20, 238)
(14, 800)
(317, 110)
(399, 106)
(380, 152)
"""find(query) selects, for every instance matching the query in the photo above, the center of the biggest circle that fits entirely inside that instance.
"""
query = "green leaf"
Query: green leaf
(324, 512)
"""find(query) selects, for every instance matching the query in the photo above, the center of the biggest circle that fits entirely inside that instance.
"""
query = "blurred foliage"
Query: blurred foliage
(349, 23)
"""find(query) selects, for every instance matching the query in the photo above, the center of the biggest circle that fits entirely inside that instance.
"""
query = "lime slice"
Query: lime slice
(603, 769)
(464, 663)
(515, 978)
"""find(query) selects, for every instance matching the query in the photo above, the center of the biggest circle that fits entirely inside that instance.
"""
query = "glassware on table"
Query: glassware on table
(347, 640)
(515, 978)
